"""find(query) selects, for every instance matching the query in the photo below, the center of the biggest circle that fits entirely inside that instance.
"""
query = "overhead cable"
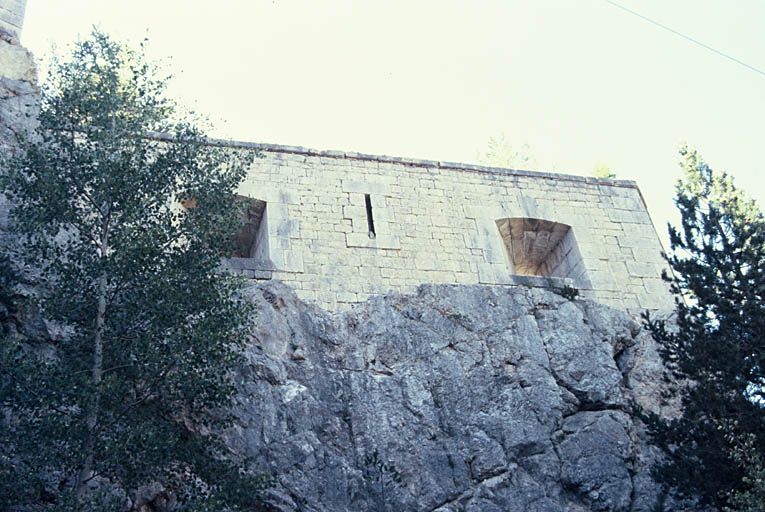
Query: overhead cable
(694, 41)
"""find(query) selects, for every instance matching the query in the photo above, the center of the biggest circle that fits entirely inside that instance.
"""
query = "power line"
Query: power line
(694, 41)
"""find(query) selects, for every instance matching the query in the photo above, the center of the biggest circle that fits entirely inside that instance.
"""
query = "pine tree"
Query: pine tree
(135, 392)
(715, 354)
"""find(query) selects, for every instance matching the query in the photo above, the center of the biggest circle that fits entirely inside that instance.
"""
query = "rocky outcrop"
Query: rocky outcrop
(19, 95)
(19, 105)
(458, 398)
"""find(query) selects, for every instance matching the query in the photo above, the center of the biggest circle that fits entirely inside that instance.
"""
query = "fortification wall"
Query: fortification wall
(340, 227)
(12, 16)
(438, 222)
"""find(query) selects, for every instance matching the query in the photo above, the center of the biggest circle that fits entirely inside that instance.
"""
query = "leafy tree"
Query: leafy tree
(136, 391)
(715, 354)
(748, 458)
(500, 153)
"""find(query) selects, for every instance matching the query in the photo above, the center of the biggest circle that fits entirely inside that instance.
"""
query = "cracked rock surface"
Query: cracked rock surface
(475, 399)
(19, 106)
(19, 100)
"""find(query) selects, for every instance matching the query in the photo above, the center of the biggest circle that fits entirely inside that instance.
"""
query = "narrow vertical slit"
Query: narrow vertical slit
(370, 220)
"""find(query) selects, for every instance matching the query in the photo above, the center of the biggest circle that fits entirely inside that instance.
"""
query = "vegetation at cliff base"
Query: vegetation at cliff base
(132, 392)
(715, 355)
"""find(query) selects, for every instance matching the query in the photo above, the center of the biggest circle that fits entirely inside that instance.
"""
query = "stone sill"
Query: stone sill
(263, 269)
(539, 281)
(248, 267)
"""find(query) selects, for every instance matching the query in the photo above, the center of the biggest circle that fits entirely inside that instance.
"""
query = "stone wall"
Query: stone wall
(440, 222)
(12, 15)
(341, 227)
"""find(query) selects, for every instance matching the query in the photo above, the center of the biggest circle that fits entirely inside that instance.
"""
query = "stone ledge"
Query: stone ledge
(365, 241)
(247, 264)
(540, 281)
(548, 283)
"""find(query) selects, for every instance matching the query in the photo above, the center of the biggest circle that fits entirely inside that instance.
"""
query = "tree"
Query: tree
(714, 355)
(136, 392)
(500, 153)
(601, 170)
(748, 458)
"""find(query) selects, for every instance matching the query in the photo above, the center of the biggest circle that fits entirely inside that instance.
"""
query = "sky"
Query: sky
(579, 81)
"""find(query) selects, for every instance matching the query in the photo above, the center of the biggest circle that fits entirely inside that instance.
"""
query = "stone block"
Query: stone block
(656, 286)
(382, 213)
(481, 212)
(635, 241)
(626, 203)
(364, 187)
(649, 253)
(354, 212)
(493, 274)
(285, 228)
(381, 241)
(643, 269)
(539, 281)
(603, 280)
(16, 63)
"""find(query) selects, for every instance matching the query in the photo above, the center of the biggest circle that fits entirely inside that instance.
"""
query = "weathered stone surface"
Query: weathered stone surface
(19, 100)
(12, 16)
(449, 224)
(16, 62)
(481, 398)
(19, 105)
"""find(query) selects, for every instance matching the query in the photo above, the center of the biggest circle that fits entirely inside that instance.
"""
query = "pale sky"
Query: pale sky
(579, 81)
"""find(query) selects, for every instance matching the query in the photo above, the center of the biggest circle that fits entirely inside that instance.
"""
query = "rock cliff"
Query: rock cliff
(458, 398)
(19, 105)
(18, 89)
(469, 398)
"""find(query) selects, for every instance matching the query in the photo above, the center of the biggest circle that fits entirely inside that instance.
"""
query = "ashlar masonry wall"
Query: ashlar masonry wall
(12, 16)
(439, 222)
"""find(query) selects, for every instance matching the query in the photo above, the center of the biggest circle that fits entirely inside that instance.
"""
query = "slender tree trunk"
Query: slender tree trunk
(97, 370)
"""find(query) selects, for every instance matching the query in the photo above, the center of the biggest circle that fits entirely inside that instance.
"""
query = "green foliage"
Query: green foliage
(567, 291)
(8, 280)
(135, 392)
(715, 356)
(500, 153)
(745, 453)
(601, 170)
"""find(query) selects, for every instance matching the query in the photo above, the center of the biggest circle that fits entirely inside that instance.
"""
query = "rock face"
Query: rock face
(458, 398)
(19, 100)
(19, 105)
(472, 398)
